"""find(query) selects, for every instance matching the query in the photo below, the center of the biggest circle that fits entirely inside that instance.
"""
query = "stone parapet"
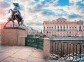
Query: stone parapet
(46, 47)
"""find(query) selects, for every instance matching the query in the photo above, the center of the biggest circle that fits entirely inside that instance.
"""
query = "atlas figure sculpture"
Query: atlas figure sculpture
(16, 15)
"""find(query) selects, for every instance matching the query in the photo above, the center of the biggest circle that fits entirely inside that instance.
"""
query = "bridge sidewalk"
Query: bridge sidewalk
(20, 54)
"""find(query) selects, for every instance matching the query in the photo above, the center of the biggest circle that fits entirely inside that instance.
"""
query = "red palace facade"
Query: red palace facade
(63, 27)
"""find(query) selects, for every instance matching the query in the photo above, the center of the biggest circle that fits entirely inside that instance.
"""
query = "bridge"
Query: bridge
(66, 47)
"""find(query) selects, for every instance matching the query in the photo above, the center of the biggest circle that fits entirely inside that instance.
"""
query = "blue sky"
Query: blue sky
(63, 2)
(35, 12)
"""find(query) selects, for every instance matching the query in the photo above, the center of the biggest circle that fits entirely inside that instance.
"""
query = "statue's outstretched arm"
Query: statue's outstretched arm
(10, 10)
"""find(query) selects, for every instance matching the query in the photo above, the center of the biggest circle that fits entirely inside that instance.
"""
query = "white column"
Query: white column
(65, 27)
(77, 27)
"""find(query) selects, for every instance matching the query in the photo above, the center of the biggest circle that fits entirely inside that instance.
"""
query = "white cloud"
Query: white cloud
(74, 1)
(30, 16)
(72, 9)
(82, 2)
(1, 0)
(39, 28)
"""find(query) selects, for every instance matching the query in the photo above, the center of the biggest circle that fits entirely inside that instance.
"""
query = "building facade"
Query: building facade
(63, 27)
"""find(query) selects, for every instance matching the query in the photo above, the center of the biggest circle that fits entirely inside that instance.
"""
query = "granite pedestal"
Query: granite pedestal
(13, 36)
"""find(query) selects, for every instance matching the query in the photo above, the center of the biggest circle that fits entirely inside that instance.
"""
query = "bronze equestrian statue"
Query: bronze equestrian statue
(16, 15)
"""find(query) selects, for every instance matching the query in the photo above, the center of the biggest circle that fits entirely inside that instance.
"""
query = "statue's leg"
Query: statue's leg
(6, 23)
(13, 23)
(22, 22)
(18, 23)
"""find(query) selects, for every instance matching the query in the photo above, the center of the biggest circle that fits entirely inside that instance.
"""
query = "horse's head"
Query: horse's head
(10, 10)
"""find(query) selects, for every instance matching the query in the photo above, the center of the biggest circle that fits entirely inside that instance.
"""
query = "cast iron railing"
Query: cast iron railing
(68, 50)
(35, 42)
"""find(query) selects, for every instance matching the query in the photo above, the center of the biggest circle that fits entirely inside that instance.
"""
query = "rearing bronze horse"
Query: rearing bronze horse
(15, 16)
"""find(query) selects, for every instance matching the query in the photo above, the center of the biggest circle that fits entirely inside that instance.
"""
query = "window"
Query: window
(61, 28)
(44, 28)
(47, 28)
(80, 28)
(67, 28)
(64, 28)
(75, 28)
(70, 28)
(55, 27)
(58, 28)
